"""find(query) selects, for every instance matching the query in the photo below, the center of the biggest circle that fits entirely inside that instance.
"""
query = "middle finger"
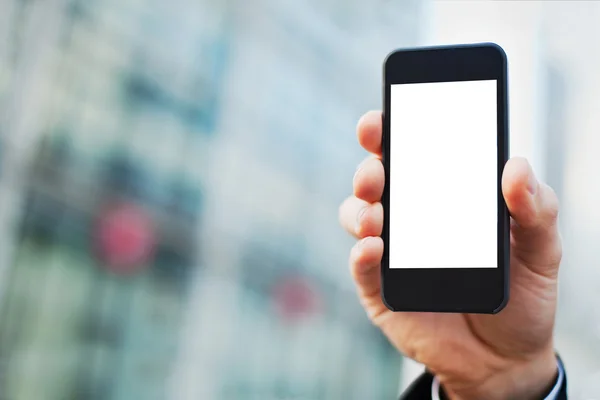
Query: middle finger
(369, 180)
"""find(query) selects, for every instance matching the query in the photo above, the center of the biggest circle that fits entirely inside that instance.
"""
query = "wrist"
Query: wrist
(526, 380)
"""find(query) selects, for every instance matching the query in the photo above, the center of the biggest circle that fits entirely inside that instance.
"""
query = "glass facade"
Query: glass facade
(222, 133)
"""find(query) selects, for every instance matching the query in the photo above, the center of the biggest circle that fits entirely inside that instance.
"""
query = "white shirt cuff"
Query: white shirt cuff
(435, 386)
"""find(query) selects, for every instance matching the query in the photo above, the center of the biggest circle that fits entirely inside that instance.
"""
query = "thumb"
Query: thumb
(533, 206)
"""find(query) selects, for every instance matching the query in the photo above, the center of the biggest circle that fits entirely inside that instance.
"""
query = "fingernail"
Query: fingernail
(532, 183)
(361, 243)
(359, 218)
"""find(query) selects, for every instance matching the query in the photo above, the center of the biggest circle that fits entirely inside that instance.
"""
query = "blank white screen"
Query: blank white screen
(443, 175)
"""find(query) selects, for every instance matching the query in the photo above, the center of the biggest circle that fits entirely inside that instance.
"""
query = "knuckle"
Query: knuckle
(370, 220)
(362, 221)
(364, 165)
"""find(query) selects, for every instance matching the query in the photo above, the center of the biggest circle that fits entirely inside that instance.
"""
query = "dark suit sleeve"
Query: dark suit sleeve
(562, 394)
(421, 389)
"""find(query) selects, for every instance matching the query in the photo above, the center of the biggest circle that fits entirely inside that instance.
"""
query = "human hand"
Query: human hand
(509, 355)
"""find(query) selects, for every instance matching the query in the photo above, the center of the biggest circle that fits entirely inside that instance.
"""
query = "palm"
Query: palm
(437, 339)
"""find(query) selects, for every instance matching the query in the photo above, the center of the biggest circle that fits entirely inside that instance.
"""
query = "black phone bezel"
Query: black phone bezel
(460, 290)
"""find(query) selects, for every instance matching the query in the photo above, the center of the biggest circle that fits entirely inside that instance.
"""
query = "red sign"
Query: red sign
(296, 297)
(125, 238)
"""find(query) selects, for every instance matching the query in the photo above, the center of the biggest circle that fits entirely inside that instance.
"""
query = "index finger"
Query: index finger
(368, 130)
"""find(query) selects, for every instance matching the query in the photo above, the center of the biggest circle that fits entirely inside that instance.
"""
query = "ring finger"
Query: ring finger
(360, 218)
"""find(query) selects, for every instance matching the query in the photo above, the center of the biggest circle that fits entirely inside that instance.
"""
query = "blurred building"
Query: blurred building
(170, 176)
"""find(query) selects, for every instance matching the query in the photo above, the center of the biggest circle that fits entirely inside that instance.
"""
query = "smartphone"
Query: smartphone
(445, 144)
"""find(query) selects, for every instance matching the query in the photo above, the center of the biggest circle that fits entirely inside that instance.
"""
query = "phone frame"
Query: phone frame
(458, 290)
